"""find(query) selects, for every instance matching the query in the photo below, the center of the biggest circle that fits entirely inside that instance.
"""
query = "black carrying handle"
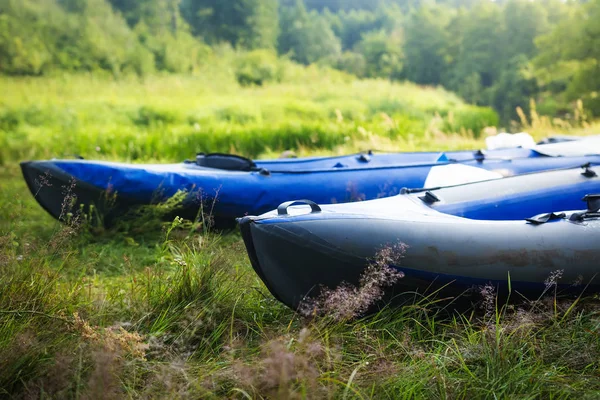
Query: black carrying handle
(593, 202)
(593, 209)
(282, 209)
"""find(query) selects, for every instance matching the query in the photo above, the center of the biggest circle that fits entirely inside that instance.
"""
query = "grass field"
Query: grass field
(169, 310)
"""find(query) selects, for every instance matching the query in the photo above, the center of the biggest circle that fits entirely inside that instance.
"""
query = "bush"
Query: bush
(592, 104)
(257, 68)
(471, 118)
(553, 106)
(177, 52)
(354, 63)
(382, 53)
(237, 114)
(146, 116)
(36, 116)
(9, 120)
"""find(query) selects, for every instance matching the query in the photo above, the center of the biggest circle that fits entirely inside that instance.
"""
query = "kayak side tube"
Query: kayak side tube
(296, 255)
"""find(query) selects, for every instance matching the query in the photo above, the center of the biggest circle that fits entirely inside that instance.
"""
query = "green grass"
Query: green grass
(172, 311)
(172, 117)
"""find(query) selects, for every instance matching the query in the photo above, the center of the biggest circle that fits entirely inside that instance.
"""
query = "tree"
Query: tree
(524, 21)
(338, 5)
(24, 34)
(571, 53)
(382, 53)
(351, 62)
(160, 27)
(103, 39)
(38, 36)
(354, 24)
(481, 53)
(515, 87)
(306, 36)
(426, 45)
(251, 24)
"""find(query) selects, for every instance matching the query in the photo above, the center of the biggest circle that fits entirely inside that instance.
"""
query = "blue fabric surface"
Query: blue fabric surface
(241, 193)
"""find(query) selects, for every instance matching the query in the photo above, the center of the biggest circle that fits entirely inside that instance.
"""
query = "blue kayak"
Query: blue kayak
(513, 233)
(227, 186)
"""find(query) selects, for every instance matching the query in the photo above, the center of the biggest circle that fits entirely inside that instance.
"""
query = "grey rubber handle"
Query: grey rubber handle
(282, 209)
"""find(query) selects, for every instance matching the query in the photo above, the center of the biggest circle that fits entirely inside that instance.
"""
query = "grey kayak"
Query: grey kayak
(296, 250)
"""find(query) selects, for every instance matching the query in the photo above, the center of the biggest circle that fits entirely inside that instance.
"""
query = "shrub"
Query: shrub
(471, 118)
(237, 114)
(34, 115)
(146, 116)
(592, 104)
(257, 68)
(9, 120)
(354, 63)
(177, 52)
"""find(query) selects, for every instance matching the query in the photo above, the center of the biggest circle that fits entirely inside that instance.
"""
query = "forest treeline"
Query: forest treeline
(500, 53)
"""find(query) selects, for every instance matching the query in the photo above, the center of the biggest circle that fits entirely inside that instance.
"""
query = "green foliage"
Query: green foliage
(176, 52)
(570, 55)
(426, 45)
(147, 116)
(306, 36)
(22, 52)
(36, 37)
(482, 34)
(471, 119)
(161, 29)
(175, 311)
(515, 87)
(354, 24)
(499, 54)
(351, 62)
(383, 54)
(173, 117)
(258, 67)
(251, 24)
(341, 5)
(524, 21)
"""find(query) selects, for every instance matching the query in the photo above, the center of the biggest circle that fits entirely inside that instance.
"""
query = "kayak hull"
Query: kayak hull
(296, 252)
(225, 194)
(296, 259)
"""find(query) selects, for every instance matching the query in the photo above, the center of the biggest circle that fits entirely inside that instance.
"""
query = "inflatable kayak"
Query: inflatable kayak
(494, 232)
(228, 186)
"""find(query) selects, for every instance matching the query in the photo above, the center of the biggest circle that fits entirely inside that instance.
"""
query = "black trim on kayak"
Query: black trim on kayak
(49, 178)
(52, 188)
(245, 229)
